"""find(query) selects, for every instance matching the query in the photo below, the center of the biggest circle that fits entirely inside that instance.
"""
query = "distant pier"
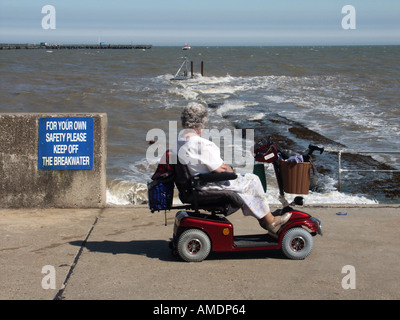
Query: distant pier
(73, 46)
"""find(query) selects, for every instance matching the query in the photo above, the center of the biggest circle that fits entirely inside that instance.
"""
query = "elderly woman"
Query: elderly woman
(203, 156)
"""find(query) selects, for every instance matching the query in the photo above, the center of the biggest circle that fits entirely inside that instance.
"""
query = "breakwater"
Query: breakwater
(73, 46)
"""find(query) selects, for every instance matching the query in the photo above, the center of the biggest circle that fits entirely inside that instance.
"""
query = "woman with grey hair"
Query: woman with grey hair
(203, 156)
(194, 116)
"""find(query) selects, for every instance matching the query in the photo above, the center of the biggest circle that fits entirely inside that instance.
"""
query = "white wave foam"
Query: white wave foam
(223, 87)
(116, 199)
(329, 195)
(276, 99)
(212, 80)
(231, 105)
(123, 192)
(256, 116)
(127, 193)
(187, 94)
(335, 197)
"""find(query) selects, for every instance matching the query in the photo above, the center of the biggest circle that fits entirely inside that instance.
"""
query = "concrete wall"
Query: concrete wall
(22, 184)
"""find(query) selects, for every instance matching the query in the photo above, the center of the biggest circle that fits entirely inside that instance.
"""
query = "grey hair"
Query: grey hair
(194, 116)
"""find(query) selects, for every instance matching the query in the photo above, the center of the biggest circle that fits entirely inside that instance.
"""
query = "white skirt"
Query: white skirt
(249, 188)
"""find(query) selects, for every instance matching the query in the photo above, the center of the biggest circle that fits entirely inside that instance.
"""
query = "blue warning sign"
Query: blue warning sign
(65, 143)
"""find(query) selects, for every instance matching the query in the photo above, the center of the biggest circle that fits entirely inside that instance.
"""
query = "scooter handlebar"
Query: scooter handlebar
(313, 148)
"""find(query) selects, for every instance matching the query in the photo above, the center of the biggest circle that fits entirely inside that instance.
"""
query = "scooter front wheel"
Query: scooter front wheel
(297, 243)
(194, 245)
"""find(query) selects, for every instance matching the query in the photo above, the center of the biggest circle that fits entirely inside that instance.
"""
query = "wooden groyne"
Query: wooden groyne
(74, 46)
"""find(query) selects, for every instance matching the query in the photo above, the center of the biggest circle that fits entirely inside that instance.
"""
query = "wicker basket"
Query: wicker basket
(295, 177)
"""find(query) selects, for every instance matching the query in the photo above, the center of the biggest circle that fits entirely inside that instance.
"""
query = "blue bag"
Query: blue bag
(160, 194)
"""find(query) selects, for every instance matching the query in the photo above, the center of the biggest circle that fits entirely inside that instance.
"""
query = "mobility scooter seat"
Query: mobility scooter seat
(216, 201)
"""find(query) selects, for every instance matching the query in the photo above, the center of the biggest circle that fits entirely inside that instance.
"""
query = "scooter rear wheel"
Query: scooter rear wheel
(297, 243)
(194, 245)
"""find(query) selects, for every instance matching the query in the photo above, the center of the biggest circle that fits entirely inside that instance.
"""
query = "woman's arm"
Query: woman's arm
(223, 168)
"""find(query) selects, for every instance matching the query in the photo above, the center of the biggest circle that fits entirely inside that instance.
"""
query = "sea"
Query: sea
(343, 98)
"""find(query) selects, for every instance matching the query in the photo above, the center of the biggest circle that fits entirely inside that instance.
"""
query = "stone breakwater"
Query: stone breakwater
(74, 46)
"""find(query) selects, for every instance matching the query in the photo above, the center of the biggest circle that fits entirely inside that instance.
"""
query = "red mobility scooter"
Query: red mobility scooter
(197, 233)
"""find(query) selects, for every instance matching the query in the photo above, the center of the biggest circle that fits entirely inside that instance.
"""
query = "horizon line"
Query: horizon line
(213, 45)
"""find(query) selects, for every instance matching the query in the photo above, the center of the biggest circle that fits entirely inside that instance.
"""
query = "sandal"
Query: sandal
(277, 224)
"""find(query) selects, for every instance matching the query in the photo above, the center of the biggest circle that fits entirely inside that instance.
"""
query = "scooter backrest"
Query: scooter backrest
(183, 182)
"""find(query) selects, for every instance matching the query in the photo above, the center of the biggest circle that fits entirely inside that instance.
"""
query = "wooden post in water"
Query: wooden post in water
(202, 68)
(191, 69)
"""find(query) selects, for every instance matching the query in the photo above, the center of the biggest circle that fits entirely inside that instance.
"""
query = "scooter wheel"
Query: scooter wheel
(297, 243)
(194, 245)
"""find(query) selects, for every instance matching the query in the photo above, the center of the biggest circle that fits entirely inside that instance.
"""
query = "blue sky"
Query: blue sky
(205, 22)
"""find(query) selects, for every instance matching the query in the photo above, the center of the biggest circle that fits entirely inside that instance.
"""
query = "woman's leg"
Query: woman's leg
(268, 219)
(271, 223)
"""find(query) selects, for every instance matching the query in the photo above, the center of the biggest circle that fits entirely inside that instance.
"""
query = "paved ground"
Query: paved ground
(122, 253)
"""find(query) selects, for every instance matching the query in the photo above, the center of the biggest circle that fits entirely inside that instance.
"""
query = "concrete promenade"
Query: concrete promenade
(122, 253)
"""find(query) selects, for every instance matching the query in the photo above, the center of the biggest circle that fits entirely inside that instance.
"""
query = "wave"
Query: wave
(232, 105)
(124, 192)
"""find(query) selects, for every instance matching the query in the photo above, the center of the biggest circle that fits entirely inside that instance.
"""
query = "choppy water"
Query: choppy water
(344, 98)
